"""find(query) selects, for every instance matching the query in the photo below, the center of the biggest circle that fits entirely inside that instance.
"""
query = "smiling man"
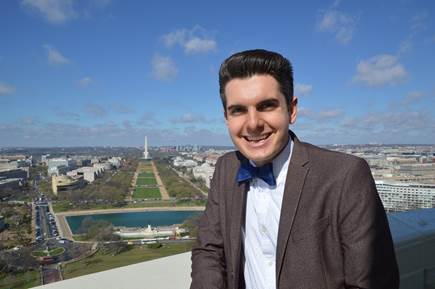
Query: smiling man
(282, 213)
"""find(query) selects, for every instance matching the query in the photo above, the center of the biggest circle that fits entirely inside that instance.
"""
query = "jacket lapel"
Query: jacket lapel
(238, 209)
(297, 172)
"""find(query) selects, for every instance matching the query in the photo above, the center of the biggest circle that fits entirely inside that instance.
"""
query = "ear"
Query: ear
(293, 109)
(225, 116)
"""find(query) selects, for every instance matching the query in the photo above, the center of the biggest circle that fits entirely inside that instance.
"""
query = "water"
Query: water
(135, 219)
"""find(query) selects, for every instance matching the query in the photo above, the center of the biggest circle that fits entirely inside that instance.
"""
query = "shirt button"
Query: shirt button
(270, 263)
(263, 230)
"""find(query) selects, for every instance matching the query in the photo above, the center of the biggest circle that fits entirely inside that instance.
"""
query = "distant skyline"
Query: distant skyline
(109, 72)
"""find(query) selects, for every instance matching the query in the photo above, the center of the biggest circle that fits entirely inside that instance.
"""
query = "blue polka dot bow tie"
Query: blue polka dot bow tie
(247, 172)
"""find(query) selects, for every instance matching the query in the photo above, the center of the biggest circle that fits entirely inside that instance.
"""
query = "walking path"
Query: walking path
(64, 229)
(162, 188)
(187, 180)
(126, 210)
(129, 197)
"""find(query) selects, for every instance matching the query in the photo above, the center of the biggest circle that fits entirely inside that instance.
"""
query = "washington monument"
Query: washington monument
(145, 150)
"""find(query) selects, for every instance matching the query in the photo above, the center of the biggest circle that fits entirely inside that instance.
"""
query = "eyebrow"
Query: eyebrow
(235, 106)
(271, 100)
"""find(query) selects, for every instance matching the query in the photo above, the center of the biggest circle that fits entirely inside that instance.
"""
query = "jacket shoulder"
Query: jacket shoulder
(333, 160)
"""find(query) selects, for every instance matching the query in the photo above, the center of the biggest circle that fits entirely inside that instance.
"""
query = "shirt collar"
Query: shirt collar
(281, 161)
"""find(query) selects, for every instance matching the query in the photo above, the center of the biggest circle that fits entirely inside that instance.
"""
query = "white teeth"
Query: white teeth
(256, 138)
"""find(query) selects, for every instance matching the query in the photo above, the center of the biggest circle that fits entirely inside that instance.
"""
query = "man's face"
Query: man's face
(258, 117)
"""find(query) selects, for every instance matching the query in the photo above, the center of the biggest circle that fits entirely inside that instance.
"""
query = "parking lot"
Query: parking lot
(45, 222)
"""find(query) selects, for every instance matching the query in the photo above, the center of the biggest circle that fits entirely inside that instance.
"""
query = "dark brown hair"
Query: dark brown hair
(258, 61)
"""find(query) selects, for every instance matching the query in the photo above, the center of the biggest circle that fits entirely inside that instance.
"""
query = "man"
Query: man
(282, 213)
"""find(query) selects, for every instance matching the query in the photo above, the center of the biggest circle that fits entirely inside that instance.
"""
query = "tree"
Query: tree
(191, 225)
(97, 230)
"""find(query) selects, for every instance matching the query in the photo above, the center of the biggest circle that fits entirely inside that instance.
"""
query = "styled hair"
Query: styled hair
(248, 63)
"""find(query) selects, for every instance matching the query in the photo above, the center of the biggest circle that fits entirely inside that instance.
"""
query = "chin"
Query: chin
(258, 158)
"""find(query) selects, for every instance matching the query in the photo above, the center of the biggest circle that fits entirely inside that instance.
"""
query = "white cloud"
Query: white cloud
(413, 97)
(405, 46)
(55, 57)
(303, 89)
(68, 115)
(96, 110)
(198, 45)
(6, 89)
(380, 70)
(54, 11)
(120, 108)
(163, 68)
(189, 118)
(195, 40)
(341, 24)
(304, 112)
(331, 113)
(418, 22)
(175, 37)
(320, 116)
(85, 81)
(147, 118)
(100, 4)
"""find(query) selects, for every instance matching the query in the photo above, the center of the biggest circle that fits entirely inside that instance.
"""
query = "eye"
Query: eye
(266, 105)
(236, 110)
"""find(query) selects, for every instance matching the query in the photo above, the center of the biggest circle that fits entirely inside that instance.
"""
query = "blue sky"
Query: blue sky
(108, 72)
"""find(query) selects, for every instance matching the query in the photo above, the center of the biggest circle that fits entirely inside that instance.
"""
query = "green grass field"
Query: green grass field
(22, 280)
(100, 262)
(146, 175)
(146, 193)
(146, 181)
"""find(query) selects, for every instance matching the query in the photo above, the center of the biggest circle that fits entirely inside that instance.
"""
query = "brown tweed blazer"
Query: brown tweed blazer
(333, 231)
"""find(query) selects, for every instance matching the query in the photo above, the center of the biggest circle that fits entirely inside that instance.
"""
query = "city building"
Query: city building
(167, 149)
(180, 162)
(416, 169)
(10, 183)
(21, 173)
(57, 170)
(187, 148)
(205, 172)
(66, 183)
(45, 158)
(89, 173)
(150, 233)
(400, 196)
(58, 166)
(115, 162)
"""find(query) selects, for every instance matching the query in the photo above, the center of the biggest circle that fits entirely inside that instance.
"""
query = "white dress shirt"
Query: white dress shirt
(263, 209)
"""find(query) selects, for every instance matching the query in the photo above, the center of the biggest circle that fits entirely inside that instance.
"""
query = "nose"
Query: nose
(254, 121)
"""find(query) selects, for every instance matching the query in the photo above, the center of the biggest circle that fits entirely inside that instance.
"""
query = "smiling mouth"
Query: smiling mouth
(257, 139)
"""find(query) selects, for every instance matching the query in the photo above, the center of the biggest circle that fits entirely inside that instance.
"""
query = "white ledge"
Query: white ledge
(163, 273)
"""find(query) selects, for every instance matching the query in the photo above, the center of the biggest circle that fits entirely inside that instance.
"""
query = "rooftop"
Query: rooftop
(414, 240)
(412, 225)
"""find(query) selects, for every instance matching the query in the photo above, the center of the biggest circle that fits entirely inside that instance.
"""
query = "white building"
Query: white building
(180, 162)
(58, 166)
(397, 196)
(88, 173)
(205, 172)
(115, 162)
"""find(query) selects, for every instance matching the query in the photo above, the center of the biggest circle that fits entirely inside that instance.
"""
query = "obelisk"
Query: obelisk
(145, 149)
